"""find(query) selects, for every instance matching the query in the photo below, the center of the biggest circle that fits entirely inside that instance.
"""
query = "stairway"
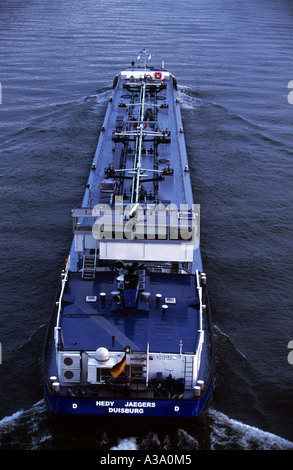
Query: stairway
(188, 375)
(89, 267)
(138, 370)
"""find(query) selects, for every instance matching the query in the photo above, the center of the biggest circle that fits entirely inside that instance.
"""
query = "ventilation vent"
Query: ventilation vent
(70, 375)
(71, 361)
(70, 364)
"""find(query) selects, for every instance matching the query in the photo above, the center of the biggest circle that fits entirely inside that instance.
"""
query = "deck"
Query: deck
(87, 325)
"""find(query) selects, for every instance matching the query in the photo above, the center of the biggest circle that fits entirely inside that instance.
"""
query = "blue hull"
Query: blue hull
(130, 407)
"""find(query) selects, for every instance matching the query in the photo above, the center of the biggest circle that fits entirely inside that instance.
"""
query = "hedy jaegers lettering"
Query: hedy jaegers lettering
(130, 407)
(128, 404)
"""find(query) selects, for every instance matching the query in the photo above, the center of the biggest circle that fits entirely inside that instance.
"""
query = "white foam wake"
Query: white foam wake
(126, 444)
(188, 98)
(224, 434)
(228, 433)
(23, 430)
(9, 421)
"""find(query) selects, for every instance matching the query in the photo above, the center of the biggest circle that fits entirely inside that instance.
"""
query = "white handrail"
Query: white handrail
(64, 277)
(200, 330)
(199, 289)
(147, 364)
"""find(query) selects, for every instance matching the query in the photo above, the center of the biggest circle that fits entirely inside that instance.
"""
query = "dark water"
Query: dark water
(232, 60)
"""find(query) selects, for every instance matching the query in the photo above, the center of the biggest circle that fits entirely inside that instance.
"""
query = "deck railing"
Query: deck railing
(64, 278)
(202, 308)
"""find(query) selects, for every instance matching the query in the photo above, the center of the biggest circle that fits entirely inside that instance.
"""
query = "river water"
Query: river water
(232, 61)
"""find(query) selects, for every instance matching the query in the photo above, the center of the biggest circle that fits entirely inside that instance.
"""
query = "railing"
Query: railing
(64, 278)
(202, 308)
(199, 291)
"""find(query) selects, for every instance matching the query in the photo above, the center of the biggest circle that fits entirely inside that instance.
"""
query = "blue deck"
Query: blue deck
(87, 326)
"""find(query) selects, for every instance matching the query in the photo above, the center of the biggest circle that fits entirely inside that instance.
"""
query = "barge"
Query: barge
(130, 333)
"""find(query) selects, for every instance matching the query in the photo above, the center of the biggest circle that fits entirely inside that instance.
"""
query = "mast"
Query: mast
(146, 57)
